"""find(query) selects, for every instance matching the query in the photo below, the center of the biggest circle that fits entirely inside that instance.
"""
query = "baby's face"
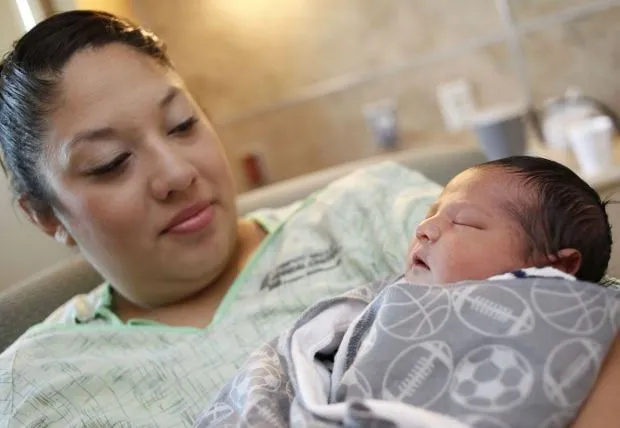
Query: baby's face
(467, 234)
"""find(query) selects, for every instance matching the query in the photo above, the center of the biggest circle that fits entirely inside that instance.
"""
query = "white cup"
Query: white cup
(590, 141)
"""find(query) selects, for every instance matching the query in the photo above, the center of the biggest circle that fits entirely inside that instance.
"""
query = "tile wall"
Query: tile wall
(290, 78)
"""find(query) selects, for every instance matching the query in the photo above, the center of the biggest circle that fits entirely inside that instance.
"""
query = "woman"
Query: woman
(106, 151)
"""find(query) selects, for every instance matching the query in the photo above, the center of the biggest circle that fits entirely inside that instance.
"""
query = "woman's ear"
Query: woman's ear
(48, 223)
(567, 260)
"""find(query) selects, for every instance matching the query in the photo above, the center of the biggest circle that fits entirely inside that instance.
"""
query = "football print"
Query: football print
(570, 370)
(419, 374)
(493, 310)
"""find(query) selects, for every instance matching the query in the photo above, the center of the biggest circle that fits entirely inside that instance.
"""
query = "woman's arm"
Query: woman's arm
(602, 408)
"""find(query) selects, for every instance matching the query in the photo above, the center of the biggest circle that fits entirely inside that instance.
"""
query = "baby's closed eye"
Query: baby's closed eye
(468, 216)
(465, 225)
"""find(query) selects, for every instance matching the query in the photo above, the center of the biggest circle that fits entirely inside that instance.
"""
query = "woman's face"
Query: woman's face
(140, 178)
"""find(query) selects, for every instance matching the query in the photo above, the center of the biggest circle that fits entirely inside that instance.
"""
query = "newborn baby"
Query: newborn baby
(509, 214)
(405, 353)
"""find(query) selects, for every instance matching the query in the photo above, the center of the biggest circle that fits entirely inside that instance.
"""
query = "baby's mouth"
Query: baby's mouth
(419, 263)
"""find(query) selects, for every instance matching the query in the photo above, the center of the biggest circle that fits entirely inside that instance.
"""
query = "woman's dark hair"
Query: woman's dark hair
(29, 77)
(564, 213)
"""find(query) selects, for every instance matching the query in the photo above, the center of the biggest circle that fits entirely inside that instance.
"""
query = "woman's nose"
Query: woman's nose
(427, 231)
(176, 173)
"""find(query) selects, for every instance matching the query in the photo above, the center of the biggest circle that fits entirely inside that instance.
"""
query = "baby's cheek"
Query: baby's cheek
(480, 264)
(458, 266)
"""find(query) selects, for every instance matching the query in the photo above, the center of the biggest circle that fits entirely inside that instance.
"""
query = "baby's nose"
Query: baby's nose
(427, 231)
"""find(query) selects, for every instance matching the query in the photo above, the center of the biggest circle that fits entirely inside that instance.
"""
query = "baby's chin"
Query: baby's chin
(421, 276)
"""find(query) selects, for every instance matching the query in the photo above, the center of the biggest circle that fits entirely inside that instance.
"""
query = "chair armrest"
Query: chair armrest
(30, 301)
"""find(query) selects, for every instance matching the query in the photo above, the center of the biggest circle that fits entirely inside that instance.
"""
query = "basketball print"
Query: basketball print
(570, 370)
(419, 374)
(414, 311)
(569, 306)
(288, 390)
(265, 353)
(368, 343)
(253, 379)
(218, 414)
(355, 384)
(492, 378)
(483, 421)
(266, 411)
(493, 310)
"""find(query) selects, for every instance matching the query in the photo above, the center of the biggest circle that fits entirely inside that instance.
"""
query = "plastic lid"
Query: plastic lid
(498, 114)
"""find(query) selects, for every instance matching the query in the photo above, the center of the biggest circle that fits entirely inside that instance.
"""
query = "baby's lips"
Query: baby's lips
(411, 257)
(418, 258)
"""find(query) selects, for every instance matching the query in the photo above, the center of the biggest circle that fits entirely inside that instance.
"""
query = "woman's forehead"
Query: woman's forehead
(110, 71)
(103, 86)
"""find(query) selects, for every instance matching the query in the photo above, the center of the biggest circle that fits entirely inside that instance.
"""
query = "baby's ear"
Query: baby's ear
(567, 260)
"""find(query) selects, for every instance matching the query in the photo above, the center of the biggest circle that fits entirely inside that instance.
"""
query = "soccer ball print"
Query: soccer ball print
(492, 378)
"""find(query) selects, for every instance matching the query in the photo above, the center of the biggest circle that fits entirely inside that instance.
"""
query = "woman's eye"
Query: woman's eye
(114, 166)
(184, 126)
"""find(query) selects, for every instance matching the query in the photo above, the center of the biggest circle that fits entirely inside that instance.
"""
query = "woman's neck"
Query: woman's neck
(198, 309)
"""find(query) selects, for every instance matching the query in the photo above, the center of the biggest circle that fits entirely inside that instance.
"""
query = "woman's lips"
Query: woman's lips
(192, 219)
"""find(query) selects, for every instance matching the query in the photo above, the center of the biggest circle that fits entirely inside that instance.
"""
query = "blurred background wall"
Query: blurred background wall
(290, 79)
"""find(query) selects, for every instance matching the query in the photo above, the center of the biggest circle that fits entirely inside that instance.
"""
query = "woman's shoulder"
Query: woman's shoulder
(387, 174)
(82, 307)
(383, 187)
(385, 180)
(354, 230)
(386, 195)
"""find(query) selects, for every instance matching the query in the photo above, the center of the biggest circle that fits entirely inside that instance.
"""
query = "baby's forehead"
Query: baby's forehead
(478, 176)
(488, 179)
(491, 187)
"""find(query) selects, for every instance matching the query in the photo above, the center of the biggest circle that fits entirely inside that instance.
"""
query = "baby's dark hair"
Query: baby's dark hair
(566, 213)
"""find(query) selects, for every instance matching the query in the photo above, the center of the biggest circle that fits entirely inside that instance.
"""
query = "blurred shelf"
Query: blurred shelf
(604, 180)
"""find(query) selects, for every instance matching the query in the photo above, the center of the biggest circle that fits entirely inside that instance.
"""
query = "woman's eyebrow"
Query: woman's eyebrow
(173, 91)
(108, 133)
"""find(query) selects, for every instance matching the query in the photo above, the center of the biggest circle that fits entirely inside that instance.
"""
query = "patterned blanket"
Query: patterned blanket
(521, 350)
